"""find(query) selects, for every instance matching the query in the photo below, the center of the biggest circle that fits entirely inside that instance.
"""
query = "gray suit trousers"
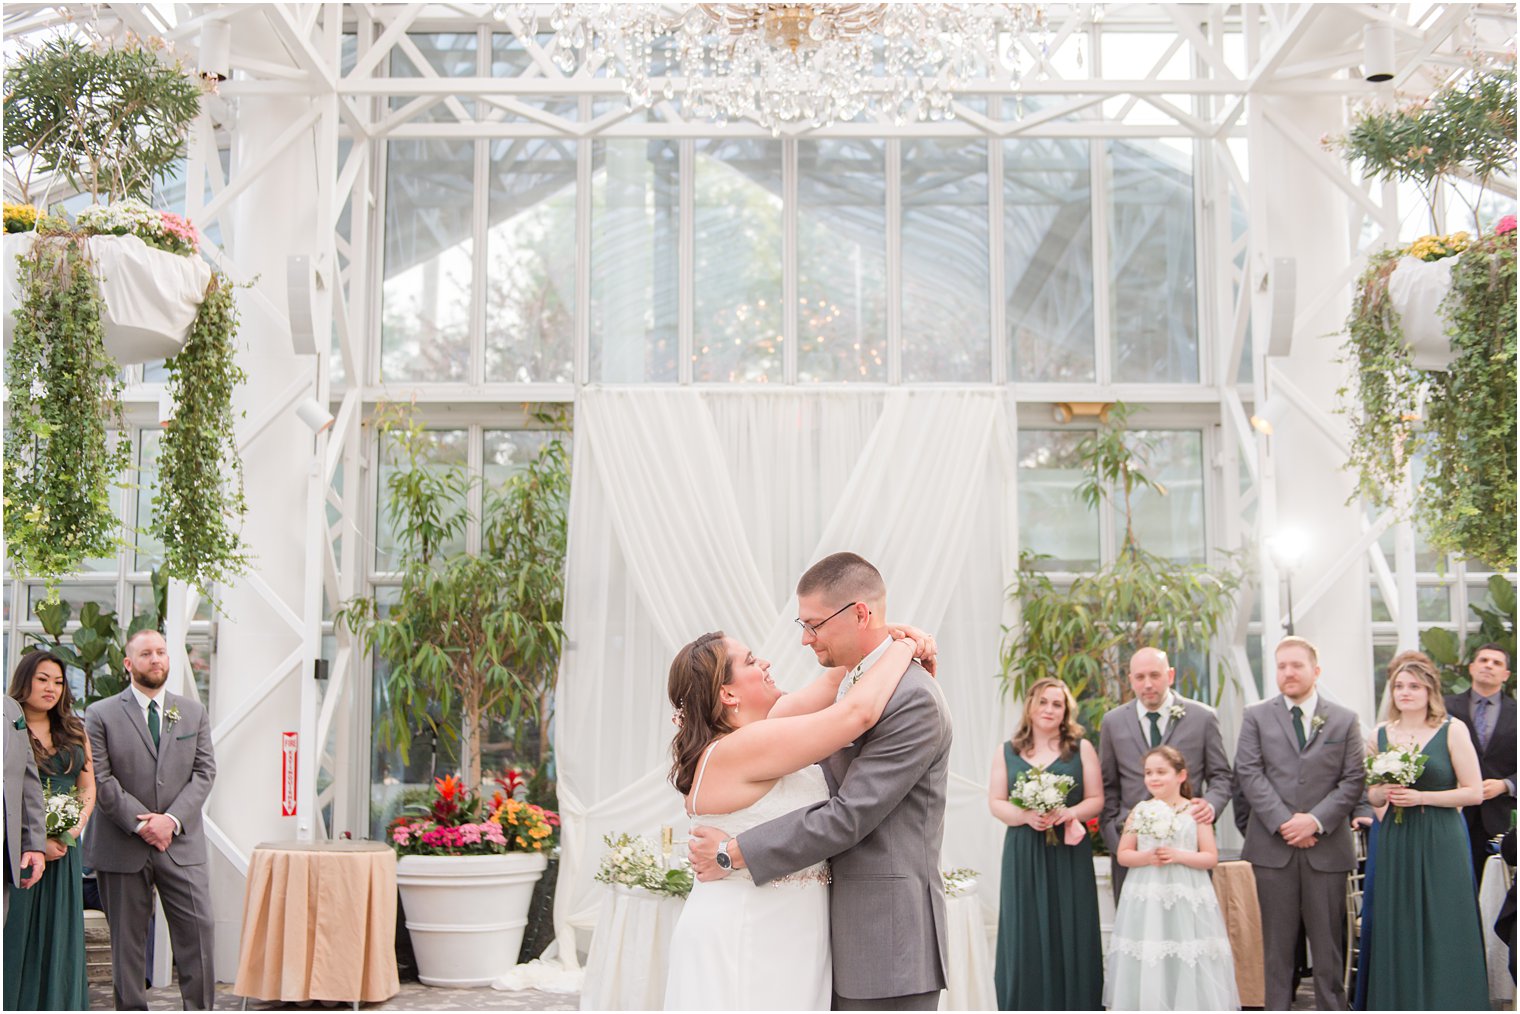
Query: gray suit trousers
(1321, 898)
(128, 901)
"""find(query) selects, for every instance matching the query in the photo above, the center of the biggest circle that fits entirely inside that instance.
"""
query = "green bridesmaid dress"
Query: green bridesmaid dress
(1427, 949)
(1049, 949)
(44, 930)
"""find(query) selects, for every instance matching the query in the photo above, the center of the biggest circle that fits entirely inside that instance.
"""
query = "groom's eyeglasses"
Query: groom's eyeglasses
(812, 628)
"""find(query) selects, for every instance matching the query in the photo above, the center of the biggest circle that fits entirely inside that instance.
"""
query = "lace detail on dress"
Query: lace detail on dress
(1151, 952)
(791, 792)
(1169, 895)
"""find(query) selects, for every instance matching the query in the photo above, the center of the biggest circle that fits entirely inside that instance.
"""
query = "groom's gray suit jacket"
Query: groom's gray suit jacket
(882, 829)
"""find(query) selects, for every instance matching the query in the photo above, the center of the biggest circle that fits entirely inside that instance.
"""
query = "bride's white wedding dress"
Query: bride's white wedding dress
(742, 947)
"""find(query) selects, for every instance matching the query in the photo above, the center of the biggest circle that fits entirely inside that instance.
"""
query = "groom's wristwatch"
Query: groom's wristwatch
(722, 859)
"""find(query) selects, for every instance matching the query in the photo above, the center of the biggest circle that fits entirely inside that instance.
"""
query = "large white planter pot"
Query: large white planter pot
(150, 297)
(466, 914)
(1416, 288)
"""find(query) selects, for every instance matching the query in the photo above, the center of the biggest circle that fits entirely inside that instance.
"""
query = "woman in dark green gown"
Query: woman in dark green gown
(1049, 949)
(44, 929)
(1427, 948)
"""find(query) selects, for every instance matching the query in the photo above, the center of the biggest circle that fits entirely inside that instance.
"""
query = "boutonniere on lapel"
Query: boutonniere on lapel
(171, 715)
(1317, 724)
(1175, 712)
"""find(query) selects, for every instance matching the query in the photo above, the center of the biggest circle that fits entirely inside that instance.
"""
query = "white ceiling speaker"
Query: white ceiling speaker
(1284, 285)
(1377, 52)
(300, 295)
(313, 414)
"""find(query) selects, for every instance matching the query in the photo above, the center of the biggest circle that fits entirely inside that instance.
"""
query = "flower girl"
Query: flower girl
(1169, 949)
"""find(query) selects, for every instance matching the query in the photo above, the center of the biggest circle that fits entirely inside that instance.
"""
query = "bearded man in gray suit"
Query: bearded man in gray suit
(25, 811)
(153, 771)
(1299, 763)
(1159, 716)
(882, 825)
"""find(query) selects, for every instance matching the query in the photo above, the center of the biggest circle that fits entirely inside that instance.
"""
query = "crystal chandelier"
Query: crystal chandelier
(792, 63)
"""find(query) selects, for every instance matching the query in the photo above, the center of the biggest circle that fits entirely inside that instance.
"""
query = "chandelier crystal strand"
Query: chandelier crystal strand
(794, 63)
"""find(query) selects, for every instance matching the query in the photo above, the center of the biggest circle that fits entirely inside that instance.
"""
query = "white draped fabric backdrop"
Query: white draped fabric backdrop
(697, 510)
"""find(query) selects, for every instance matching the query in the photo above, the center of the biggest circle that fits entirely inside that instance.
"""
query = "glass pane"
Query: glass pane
(635, 234)
(76, 595)
(945, 259)
(737, 234)
(429, 257)
(1434, 603)
(1153, 299)
(1380, 613)
(1382, 654)
(506, 451)
(150, 552)
(1047, 259)
(1052, 520)
(450, 448)
(842, 260)
(1172, 525)
(445, 55)
(530, 267)
(509, 58)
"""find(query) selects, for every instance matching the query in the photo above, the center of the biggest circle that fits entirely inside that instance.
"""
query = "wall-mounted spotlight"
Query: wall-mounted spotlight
(216, 50)
(1377, 52)
(314, 415)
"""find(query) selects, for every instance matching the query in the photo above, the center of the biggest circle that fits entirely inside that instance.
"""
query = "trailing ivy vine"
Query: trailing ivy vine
(199, 507)
(63, 398)
(1467, 500)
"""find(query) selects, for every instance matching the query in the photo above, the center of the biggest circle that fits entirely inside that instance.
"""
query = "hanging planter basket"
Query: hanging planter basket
(150, 296)
(1416, 289)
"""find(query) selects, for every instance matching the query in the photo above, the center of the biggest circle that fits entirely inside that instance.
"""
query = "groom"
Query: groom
(883, 824)
(153, 771)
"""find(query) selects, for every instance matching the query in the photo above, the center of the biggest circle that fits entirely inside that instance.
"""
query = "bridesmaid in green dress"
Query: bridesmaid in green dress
(1427, 948)
(1049, 950)
(44, 932)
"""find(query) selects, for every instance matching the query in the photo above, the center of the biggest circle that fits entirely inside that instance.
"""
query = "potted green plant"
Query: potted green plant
(466, 870)
(1084, 634)
(472, 637)
(1431, 335)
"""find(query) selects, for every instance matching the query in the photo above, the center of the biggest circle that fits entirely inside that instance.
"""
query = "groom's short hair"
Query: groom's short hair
(844, 576)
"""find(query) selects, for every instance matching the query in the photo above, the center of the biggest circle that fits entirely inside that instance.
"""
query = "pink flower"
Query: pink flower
(1506, 224)
(180, 228)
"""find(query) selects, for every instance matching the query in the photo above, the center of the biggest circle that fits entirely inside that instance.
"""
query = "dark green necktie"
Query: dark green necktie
(153, 722)
(1154, 717)
(1298, 724)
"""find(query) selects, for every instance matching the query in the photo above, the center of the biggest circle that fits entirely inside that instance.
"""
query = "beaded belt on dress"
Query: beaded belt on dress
(814, 875)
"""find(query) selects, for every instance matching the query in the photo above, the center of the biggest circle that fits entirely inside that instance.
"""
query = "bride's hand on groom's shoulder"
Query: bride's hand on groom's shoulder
(927, 649)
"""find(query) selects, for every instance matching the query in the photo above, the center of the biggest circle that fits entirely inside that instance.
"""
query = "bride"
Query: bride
(738, 946)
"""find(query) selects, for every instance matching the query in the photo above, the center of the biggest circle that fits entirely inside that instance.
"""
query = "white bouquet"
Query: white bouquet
(1154, 819)
(64, 812)
(1042, 792)
(1398, 765)
(631, 861)
(959, 881)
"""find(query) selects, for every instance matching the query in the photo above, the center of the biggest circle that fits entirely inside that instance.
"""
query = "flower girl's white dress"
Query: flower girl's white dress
(1169, 949)
(742, 947)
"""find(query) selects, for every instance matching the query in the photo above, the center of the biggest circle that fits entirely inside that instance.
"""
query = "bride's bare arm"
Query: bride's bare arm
(821, 693)
(762, 751)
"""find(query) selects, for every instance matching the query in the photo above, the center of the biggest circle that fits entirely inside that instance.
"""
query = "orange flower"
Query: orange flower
(448, 786)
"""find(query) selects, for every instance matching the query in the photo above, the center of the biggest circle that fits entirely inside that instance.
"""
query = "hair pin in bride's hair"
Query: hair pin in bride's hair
(678, 716)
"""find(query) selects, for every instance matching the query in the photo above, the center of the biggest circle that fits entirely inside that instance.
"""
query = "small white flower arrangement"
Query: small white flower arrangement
(1042, 792)
(631, 861)
(171, 715)
(1398, 765)
(64, 812)
(1175, 712)
(1317, 724)
(1154, 819)
(959, 882)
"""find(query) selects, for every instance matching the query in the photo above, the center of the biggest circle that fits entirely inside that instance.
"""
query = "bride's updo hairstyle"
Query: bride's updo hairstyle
(699, 672)
(1175, 761)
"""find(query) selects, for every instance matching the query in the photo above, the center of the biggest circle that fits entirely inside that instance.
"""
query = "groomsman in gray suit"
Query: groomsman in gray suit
(884, 822)
(153, 771)
(25, 813)
(1299, 763)
(1159, 716)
